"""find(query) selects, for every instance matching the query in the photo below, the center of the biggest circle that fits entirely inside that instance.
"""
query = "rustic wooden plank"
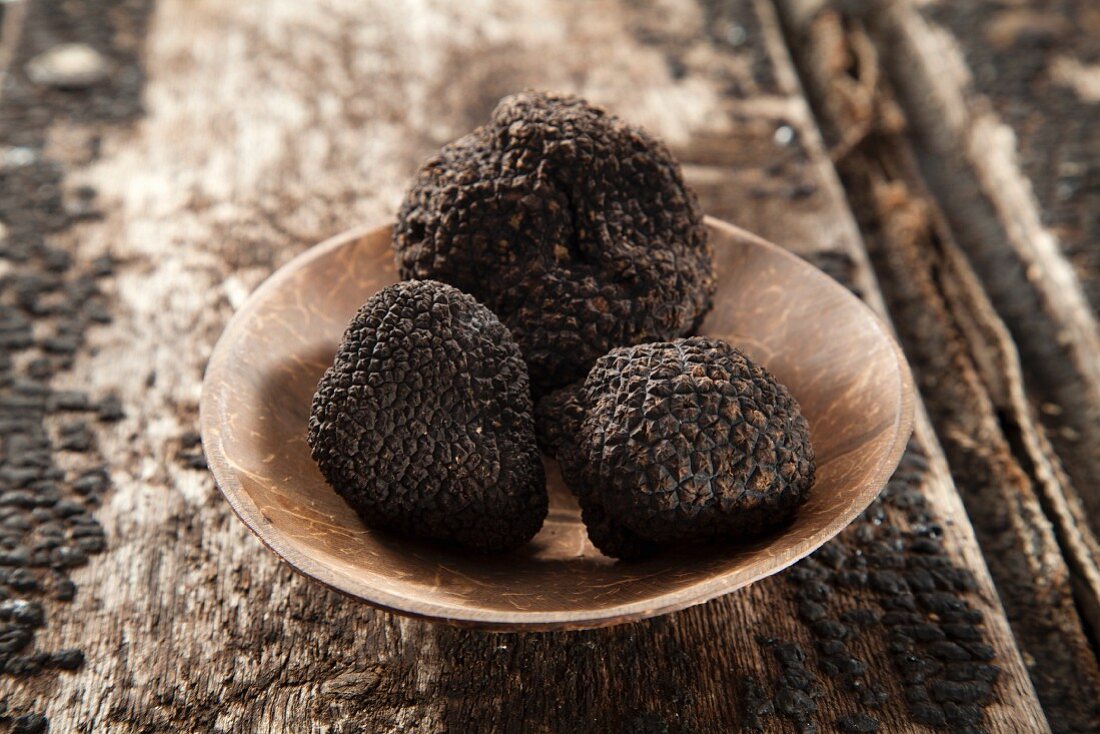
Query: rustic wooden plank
(267, 128)
(1036, 64)
(967, 364)
(997, 96)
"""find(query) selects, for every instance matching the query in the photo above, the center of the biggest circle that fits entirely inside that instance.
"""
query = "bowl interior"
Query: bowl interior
(826, 346)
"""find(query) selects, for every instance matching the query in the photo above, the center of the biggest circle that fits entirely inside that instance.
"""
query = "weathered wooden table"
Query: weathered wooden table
(940, 158)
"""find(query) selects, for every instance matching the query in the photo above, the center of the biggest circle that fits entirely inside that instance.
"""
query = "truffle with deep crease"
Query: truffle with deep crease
(574, 227)
(424, 421)
(674, 442)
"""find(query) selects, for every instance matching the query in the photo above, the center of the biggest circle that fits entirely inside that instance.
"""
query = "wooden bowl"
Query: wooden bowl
(833, 353)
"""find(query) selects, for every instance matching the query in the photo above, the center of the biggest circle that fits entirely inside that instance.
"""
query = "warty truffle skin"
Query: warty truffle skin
(682, 441)
(424, 423)
(574, 227)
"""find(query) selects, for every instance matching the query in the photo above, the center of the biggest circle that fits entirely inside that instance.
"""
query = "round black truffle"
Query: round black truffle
(679, 441)
(574, 227)
(424, 421)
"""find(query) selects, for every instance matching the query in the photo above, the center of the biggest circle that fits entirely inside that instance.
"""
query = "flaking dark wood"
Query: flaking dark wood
(998, 105)
(967, 366)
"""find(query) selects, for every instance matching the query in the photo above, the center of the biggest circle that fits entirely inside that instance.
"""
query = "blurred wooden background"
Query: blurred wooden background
(940, 158)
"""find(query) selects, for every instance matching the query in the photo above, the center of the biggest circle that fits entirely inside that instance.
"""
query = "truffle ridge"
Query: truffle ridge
(679, 441)
(574, 227)
(424, 424)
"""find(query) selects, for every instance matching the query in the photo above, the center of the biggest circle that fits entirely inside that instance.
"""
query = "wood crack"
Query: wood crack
(968, 370)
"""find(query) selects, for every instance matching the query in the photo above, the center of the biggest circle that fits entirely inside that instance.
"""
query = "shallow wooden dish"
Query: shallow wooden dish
(832, 352)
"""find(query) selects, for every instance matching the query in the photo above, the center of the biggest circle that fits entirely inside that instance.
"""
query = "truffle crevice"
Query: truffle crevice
(574, 227)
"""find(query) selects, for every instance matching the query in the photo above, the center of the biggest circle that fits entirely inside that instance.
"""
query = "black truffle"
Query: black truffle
(424, 422)
(574, 227)
(679, 441)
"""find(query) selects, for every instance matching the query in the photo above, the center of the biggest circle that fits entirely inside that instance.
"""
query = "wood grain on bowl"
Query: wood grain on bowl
(833, 353)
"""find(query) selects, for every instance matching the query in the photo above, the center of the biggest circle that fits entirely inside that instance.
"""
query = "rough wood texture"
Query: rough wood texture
(855, 392)
(999, 102)
(268, 127)
(967, 364)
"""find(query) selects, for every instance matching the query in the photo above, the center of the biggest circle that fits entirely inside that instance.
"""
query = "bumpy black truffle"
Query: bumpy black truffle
(574, 227)
(679, 441)
(424, 422)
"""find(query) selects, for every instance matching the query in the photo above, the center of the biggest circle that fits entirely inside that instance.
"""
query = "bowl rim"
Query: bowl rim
(211, 409)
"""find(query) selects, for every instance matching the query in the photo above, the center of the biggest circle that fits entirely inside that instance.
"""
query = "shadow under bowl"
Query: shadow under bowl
(832, 352)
